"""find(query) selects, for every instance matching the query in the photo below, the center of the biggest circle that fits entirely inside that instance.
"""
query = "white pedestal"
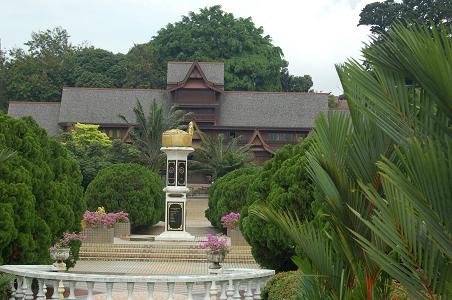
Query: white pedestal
(176, 195)
(175, 236)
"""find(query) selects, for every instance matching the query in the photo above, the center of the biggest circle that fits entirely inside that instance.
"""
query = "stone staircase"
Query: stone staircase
(159, 252)
(144, 248)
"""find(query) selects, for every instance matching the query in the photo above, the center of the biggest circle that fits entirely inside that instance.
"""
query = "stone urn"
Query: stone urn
(215, 259)
(59, 256)
(122, 230)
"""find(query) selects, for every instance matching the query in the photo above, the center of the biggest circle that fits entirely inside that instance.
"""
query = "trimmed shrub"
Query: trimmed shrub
(282, 286)
(128, 187)
(228, 194)
(283, 182)
(40, 192)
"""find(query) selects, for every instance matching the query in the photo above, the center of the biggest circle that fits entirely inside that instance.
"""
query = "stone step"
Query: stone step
(158, 251)
(145, 251)
(202, 258)
(169, 256)
(156, 245)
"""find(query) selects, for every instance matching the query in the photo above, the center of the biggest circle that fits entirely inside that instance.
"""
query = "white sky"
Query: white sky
(313, 34)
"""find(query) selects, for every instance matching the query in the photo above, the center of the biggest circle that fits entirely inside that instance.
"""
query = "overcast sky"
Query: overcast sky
(313, 34)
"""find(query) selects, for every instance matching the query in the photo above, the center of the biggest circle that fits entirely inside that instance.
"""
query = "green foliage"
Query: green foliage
(99, 68)
(5, 280)
(144, 69)
(383, 173)
(382, 15)
(42, 71)
(282, 182)
(121, 152)
(291, 83)
(228, 194)
(95, 151)
(90, 147)
(252, 62)
(146, 135)
(282, 286)
(216, 158)
(332, 101)
(128, 187)
(40, 192)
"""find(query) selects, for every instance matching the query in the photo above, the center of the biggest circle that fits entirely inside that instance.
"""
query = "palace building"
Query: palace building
(263, 121)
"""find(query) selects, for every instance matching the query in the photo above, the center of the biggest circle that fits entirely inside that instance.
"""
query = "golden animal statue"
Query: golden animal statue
(178, 138)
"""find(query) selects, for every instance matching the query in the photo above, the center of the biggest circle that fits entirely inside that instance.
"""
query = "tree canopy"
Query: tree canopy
(382, 15)
(252, 62)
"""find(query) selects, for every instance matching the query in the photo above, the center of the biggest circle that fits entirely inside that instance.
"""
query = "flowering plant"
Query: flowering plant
(216, 244)
(120, 217)
(231, 220)
(67, 240)
(99, 217)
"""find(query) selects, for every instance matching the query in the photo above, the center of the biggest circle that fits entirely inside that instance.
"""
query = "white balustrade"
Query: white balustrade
(229, 285)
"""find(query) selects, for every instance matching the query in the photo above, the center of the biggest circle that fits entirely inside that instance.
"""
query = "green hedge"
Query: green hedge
(283, 182)
(282, 286)
(128, 187)
(228, 194)
(41, 195)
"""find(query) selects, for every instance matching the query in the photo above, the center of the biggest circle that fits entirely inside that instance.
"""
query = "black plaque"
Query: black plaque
(181, 172)
(175, 216)
(171, 173)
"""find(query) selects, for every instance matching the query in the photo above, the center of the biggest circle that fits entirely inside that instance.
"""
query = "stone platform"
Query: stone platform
(143, 247)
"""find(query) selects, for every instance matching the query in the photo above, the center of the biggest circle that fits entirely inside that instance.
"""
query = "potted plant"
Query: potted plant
(231, 223)
(217, 247)
(98, 226)
(122, 225)
(61, 252)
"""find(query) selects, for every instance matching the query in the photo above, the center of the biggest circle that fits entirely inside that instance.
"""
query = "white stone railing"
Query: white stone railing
(225, 286)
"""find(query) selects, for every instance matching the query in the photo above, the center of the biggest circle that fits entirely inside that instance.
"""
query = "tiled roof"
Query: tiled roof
(261, 109)
(177, 71)
(44, 113)
(102, 106)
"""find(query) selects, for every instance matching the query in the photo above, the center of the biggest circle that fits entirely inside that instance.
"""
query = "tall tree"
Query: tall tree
(96, 67)
(147, 132)
(41, 72)
(144, 68)
(252, 62)
(382, 15)
(291, 83)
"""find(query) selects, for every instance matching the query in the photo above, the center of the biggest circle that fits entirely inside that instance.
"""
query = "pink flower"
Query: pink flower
(216, 244)
(231, 220)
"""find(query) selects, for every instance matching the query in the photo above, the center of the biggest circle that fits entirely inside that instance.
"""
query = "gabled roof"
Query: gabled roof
(257, 141)
(195, 72)
(213, 71)
(267, 109)
(102, 106)
(44, 113)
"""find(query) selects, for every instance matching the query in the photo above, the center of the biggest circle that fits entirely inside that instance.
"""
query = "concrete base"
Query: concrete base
(175, 236)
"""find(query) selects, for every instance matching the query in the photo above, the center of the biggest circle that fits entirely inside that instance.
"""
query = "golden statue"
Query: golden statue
(178, 138)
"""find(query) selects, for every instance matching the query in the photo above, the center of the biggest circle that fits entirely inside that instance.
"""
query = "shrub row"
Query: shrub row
(282, 182)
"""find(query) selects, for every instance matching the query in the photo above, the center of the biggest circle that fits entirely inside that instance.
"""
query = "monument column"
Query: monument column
(176, 144)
